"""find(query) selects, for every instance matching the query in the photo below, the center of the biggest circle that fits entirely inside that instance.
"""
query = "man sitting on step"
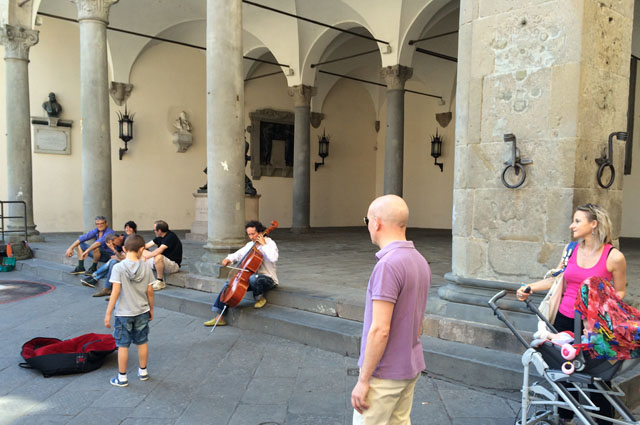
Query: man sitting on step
(261, 281)
(166, 258)
(115, 242)
(98, 251)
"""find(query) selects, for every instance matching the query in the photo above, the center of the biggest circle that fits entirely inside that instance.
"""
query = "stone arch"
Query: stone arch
(430, 14)
(320, 46)
(254, 47)
(129, 50)
(323, 46)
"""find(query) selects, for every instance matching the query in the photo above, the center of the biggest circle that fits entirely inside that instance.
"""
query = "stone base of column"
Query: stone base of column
(215, 252)
(467, 299)
(301, 230)
(199, 227)
(32, 234)
(209, 264)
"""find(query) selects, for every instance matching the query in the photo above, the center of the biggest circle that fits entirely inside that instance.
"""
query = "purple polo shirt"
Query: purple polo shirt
(401, 276)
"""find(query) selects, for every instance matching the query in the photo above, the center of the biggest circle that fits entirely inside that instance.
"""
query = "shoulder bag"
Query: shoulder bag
(551, 302)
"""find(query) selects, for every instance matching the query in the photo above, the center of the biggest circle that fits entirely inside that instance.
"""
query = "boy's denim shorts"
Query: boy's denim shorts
(128, 329)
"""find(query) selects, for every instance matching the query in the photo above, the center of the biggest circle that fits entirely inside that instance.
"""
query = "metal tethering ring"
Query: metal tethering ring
(601, 169)
(518, 169)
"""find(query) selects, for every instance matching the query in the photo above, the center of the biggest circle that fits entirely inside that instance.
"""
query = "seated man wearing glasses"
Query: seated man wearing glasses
(98, 250)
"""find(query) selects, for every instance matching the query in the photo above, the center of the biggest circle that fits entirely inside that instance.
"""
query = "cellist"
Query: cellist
(260, 282)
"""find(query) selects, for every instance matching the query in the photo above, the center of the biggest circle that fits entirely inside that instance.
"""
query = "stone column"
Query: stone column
(395, 77)
(555, 75)
(301, 157)
(17, 42)
(93, 16)
(225, 124)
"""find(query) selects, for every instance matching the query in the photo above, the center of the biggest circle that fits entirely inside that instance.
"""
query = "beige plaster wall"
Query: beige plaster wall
(342, 189)
(55, 67)
(152, 181)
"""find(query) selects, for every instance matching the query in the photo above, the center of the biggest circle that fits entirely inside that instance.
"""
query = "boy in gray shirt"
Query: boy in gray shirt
(132, 298)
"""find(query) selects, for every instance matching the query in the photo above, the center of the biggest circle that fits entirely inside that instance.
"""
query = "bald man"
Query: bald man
(391, 356)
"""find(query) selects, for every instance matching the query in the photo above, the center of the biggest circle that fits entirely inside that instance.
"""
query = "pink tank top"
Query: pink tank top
(574, 275)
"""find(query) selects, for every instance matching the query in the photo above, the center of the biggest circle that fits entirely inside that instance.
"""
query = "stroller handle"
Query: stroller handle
(496, 297)
(503, 319)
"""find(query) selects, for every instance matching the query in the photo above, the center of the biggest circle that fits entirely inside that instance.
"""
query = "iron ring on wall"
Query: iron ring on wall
(601, 171)
(518, 169)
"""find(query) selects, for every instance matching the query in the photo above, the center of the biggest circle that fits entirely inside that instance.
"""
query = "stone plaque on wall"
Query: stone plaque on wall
(51, 136)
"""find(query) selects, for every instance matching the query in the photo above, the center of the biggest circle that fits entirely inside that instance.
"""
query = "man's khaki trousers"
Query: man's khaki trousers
(390, 402)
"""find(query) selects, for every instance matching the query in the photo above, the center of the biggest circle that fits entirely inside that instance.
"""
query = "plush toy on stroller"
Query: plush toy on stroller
(571, 370)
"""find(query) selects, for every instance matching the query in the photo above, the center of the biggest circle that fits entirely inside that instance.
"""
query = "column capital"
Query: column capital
(302, 94)
(94, 9)
(395, 76)
(17, 41)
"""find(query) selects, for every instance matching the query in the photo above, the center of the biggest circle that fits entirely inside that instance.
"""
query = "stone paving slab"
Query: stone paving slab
(231, 377)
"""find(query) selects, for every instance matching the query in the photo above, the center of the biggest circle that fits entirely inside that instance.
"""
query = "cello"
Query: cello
(247, 266)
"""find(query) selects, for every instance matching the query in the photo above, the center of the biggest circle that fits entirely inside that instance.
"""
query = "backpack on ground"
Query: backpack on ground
(53, 356)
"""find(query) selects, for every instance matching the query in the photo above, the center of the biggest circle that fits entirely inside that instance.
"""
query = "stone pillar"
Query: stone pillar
(301, 157)
(395, 77)
(93, 16)
(225, 125)
(17, 42)
(555, 75)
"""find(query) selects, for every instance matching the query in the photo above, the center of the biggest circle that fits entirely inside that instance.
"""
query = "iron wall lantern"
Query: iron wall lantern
(125, 122)
(436, 150)
(323, 149)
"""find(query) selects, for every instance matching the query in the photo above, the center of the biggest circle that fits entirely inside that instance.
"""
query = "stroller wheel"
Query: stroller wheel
(537, 417)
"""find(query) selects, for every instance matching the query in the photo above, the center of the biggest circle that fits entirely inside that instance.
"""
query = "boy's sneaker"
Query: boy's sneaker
(92, 269)
(89, 281)
(78, 270)
(158, 285)
(144, 377)
(118, 383)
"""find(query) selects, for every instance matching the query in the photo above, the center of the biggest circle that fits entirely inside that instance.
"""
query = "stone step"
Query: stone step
(490, 368)
(337, 301)
(475, 366)
(472, 365)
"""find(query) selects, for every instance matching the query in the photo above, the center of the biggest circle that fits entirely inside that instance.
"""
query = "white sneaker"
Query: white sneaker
(158, 285)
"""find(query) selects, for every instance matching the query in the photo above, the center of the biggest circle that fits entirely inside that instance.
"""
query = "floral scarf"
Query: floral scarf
(612, 327)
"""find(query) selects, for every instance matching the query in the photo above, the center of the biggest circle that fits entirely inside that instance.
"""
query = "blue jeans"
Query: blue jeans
(105, 272)
(128, 329)
(104, 254)
(259, 284)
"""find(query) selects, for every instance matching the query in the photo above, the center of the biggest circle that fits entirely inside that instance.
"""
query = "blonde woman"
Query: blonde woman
(594, 256)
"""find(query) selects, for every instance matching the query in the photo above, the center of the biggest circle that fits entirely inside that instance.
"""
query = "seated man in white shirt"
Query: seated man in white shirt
(261, 281)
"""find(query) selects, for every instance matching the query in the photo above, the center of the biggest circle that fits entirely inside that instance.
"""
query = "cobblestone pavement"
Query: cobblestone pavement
(230, 377)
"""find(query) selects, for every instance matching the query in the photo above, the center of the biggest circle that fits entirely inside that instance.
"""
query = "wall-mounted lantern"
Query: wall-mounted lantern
(436, 150)
(125, 122)
(323, 149)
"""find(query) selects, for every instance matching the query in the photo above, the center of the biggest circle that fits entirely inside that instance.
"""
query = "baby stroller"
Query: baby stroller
(565, 383)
